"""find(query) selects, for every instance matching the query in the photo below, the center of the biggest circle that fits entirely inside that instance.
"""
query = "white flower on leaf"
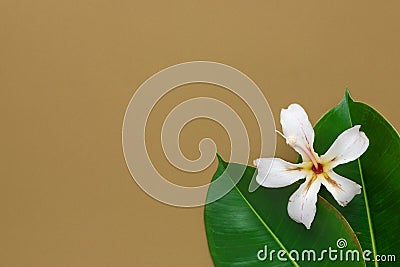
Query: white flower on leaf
(317, 170)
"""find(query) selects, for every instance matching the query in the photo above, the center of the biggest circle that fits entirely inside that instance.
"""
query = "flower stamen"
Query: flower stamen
(291, 140)
(319, 169)
(311, 156)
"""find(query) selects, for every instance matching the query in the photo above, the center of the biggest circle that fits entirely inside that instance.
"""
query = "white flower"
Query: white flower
(317, 170)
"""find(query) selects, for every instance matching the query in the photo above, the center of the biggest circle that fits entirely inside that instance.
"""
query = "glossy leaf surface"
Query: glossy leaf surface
(240, 224)
(375, 216)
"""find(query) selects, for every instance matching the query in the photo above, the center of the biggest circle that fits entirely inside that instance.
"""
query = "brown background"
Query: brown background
(69, 68)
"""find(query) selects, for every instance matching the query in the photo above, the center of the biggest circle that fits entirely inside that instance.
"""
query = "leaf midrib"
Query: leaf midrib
(264, 223)
(371, 231)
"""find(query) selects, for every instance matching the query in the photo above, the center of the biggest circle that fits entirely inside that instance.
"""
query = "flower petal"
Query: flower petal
(298, 130)
(274, 172)
(302, 204)
(348, 146)
(341, 188)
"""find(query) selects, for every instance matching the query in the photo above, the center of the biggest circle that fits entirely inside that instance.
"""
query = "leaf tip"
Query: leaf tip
(220, 160)
(347, 95)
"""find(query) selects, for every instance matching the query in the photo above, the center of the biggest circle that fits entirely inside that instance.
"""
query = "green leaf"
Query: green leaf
(374, 215)
(241, 224)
